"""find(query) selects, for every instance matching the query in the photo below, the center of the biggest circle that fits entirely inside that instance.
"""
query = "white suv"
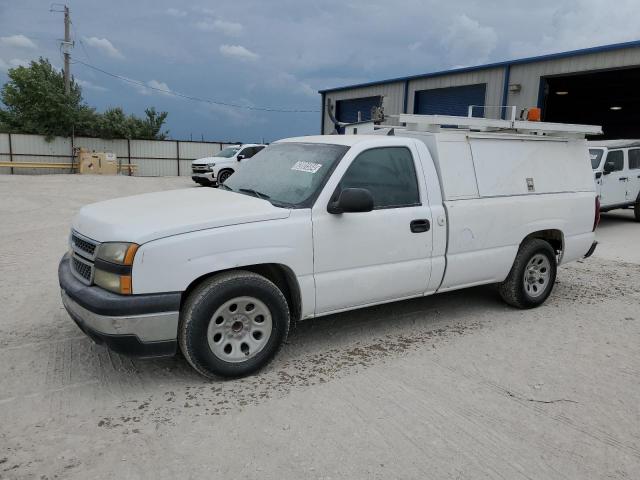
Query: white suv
(216, 169)
(616, 166)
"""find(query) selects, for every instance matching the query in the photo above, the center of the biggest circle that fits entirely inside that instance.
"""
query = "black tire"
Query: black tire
(199, 308)
(223, 175)
(636, 210)
(513, 290)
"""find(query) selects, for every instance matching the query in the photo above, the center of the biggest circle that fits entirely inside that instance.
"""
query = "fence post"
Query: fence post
(129, 154)
(178, 155)
(72, 150)
(10, 153)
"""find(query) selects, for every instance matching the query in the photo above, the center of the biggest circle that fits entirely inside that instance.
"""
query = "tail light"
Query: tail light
(596, 219)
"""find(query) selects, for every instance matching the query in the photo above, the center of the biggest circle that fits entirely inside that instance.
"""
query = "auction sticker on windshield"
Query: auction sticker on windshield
(306, 167)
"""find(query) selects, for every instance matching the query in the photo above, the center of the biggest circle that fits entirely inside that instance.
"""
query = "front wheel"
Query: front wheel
(223, 175)
(532, 275)
(233, 324)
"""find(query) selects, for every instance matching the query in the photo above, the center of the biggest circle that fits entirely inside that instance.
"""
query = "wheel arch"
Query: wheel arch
(553, 236)
(281, 275)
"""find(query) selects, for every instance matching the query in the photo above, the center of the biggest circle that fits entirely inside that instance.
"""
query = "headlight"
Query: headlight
(113, 266)
(117, 252)
(211, 165)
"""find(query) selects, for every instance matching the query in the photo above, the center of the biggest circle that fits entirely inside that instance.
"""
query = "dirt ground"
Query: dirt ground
(455, 386)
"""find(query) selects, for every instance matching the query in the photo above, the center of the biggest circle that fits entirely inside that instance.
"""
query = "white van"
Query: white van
(325, 224)
(216, 169)
(616, 167)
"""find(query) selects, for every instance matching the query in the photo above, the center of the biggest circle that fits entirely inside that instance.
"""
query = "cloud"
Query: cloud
(469, 43)
(158, 85)
(103, 45)
(17, 41)
(13, 63)
(232, 29)
(90, 85)
(238, 52)
(148, 88)
(174, 12)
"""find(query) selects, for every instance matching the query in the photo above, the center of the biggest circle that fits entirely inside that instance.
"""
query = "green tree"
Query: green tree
(35, 102)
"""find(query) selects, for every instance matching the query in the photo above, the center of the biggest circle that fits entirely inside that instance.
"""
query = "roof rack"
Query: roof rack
(433, 123)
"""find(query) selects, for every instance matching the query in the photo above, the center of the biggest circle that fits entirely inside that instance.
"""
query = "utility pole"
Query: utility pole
(67, 47)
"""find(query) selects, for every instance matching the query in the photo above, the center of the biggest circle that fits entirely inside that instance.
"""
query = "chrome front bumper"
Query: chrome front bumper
(153, 327)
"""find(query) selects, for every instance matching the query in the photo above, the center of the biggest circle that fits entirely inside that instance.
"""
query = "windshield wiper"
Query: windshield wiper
(255, 193)
(222, 185)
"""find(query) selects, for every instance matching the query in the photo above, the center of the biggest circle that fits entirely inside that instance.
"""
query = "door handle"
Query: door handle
(622, 179)
(420, 225)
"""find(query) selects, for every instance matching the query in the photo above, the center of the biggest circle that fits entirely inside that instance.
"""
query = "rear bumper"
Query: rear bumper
(138, 325)
(591, 250)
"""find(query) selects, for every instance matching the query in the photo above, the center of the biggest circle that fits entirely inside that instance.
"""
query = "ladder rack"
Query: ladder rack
(433, 123)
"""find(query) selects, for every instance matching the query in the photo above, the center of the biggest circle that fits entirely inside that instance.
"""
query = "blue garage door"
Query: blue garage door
(347, 110)
(451, 100)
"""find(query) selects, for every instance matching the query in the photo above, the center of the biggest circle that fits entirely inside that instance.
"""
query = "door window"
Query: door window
(634, 159)
(388, 173)
(247, 152)
(617, 159)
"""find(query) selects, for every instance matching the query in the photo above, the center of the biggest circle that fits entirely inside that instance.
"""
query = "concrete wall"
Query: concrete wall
(153, 157)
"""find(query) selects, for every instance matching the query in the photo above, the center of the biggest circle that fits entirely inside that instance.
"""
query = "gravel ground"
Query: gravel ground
(453, 386)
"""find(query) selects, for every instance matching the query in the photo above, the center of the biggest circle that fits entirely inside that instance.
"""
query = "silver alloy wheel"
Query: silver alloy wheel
(239, 329)
(537, 275)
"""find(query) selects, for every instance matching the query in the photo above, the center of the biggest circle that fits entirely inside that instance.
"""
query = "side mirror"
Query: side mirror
(608, 168)
(352, 200)
(240, 157)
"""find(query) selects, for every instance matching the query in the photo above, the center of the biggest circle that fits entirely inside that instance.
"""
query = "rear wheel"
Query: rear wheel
(532, 275)
(233, 324)
(223, 175)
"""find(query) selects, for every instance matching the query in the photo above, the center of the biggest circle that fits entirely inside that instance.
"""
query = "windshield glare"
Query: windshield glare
(227, 152)
(287, 174)
(596, 156)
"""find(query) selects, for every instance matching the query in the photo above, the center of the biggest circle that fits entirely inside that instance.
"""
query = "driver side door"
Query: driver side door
(613, 189)
(377, 256)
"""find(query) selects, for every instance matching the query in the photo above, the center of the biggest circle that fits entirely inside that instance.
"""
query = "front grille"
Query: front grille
(83, 245)
(82, 269)
(200, 168)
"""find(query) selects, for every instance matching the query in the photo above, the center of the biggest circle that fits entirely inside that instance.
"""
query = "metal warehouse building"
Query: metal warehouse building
(598, 86)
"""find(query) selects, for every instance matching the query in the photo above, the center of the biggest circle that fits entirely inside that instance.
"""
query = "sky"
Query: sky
(277, 54)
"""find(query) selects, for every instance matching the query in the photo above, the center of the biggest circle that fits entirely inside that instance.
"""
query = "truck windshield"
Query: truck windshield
(227, 152)
(287, 174)
(596, 156)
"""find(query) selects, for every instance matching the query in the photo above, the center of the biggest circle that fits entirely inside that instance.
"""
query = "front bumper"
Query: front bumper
(204, 177)
(138, 325)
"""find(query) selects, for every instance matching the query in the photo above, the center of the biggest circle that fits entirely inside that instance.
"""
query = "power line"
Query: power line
(191, 97)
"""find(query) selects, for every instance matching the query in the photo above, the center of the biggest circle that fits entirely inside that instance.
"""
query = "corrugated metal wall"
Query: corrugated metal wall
(493, 78)
(528, 75)
(393, 97)
(153, 157)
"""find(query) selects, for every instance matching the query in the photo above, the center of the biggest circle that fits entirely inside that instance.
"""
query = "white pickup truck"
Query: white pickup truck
(616, 167)
(325, 224)
(209, 171)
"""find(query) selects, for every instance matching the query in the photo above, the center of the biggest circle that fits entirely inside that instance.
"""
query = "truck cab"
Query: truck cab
(616, 168)
(210, 171)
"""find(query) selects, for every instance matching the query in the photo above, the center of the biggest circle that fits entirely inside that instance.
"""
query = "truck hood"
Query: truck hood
(142, 218)
(206, 160)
